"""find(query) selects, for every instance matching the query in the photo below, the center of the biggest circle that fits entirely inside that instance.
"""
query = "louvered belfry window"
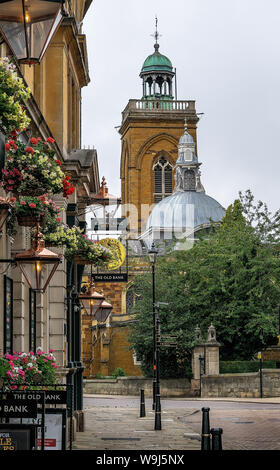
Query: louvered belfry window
(162, 179)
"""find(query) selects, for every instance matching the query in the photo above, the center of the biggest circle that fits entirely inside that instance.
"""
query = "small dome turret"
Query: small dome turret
(157, 75)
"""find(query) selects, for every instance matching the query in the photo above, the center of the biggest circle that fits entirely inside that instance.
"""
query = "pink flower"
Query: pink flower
(23, 203)
(54, 365)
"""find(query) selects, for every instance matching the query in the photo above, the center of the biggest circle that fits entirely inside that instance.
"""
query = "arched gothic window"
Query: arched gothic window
(129, 300)
(162, 179)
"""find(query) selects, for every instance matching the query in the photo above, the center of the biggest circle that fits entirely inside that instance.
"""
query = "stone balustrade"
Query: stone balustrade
(159, 106)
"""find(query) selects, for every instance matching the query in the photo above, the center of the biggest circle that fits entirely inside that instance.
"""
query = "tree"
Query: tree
(230, 279)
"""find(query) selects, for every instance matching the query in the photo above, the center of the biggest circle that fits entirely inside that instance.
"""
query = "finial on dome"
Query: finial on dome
(156, 35)
(185, 126)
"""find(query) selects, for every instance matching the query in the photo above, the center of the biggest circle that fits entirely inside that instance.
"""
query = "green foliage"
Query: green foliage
(118, 372)
(12, 94)
(99, 375)
(241, 367)
(230, 279)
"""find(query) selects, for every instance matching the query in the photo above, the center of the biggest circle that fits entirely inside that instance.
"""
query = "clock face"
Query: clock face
(188, 155)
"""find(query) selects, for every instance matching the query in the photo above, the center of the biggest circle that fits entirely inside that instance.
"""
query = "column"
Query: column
(56, 299)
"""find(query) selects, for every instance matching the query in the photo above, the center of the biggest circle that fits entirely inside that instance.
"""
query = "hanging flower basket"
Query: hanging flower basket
(30, 211)
(88, 252)
(34, 170)
(61, 235)
(81, 258)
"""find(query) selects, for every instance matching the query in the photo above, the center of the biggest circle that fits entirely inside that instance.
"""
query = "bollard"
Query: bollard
(158, 414)
(205, 434)
(216, 438)
(142, 404)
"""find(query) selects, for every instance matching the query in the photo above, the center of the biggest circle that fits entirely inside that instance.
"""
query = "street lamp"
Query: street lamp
(38, 264)
(153, 252)
(29, 25)
(91, 300)
(104, 311)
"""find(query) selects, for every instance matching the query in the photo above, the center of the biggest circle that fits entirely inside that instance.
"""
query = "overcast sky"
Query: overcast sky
(227, 56)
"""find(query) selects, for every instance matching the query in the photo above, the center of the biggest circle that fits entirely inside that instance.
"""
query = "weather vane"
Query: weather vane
(156, 34)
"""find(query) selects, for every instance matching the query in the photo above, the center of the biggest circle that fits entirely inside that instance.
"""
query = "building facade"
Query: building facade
(51, 320)
(159, 175)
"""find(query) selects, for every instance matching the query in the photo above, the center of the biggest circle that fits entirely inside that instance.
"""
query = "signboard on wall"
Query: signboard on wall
(110, 277)
(19, 437)
(55, 428)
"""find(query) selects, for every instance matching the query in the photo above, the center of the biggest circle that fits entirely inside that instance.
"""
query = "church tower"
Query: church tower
(150, 131)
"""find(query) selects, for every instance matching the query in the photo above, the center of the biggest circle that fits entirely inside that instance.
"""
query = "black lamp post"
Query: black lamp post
(153, 252)
(29, 25)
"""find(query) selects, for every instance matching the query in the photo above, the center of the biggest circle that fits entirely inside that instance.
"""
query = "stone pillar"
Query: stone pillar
(21, 295)
(57, 314)
(212, 353)
(198, 351)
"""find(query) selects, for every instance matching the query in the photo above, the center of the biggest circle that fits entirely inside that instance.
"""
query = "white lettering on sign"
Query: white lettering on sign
(15, 409)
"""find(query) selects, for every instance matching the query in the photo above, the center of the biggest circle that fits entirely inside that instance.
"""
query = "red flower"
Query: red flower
(15, 147)
(11, 142)
(58, 162)
(29, 150)
(33, 141)
(14, 133)
(50, 140)
(58, 219)
(32, 205)
(7, 146)
(23, 203)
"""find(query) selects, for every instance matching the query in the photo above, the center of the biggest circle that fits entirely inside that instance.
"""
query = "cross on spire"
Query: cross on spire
(156, 35)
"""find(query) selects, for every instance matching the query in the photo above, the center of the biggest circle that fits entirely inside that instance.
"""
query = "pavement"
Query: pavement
(115, 428)
(119, 427)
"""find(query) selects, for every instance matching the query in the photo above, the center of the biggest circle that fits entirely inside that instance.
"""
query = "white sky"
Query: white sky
(226, 53)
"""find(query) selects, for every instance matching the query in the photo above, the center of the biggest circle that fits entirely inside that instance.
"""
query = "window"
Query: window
(162, 179)
(129, 300)
(8, 315)
(189, 180)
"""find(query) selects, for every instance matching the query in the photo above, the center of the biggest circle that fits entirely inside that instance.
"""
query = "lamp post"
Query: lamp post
(153, 252)
(28, 26)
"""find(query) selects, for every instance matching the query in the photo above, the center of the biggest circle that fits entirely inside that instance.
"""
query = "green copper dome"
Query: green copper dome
(157, 62)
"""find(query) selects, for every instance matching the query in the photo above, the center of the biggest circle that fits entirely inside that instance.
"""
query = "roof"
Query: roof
(157, 62)
(185, 209)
